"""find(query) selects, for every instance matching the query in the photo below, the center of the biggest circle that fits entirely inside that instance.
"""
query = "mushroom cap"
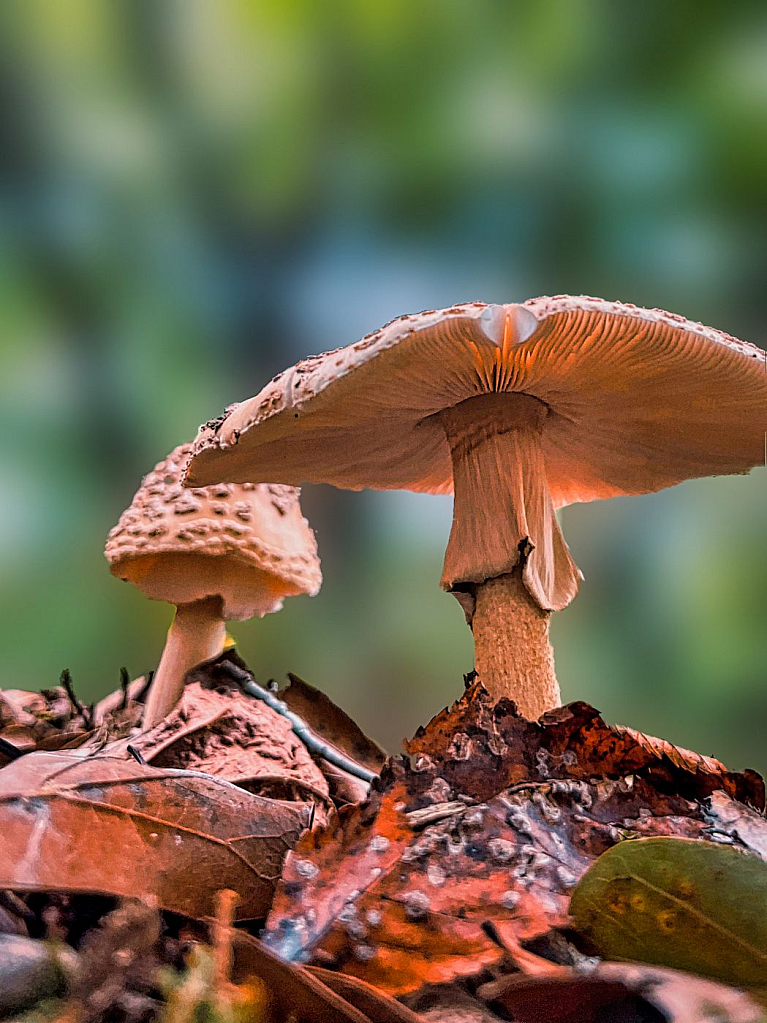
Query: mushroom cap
(638, 399)
(246, 543)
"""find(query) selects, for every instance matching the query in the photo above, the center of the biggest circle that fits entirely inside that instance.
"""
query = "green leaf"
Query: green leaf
(692, 905)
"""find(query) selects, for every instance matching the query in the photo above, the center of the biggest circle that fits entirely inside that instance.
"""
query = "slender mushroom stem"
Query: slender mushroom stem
(505, 545)
(198, 633)
(512, 653)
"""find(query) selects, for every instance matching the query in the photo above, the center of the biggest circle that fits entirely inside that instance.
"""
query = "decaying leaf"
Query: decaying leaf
(29, 720)
(368, 999)
(110, 825)
(696, 906)
(232, 736)
(624, 992)
(483, 747)
(332, 723)
(730, 819)
(401, 892)
(335, 727)
(293, 991)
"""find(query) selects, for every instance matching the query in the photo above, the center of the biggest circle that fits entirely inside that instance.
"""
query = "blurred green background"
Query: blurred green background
(195, 194)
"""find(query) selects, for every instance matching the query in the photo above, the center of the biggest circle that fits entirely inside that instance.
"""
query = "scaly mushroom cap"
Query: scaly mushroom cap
(247, 543)
(638, 399)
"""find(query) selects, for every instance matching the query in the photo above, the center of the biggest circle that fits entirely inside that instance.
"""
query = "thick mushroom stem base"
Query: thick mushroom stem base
(198, 633)
(512, 653)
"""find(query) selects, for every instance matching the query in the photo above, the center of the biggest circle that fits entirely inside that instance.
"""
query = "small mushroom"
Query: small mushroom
(520, 410)
(217, 553)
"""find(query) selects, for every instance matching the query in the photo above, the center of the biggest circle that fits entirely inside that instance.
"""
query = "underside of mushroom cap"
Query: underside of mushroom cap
(638, 399)
(248, 544)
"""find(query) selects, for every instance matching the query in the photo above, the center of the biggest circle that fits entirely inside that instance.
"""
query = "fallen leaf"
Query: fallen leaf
(624, 992)
(482, 747)
(489, 822)
(28, 719)
(331, 723)
(103, 824)
(368, 999)
(696, 906)
(293, 990)
(122, 702)
(232, 736)
(738, 822)
(401, 892)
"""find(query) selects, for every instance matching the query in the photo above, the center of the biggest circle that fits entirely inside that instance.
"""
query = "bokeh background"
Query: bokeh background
(197, 193)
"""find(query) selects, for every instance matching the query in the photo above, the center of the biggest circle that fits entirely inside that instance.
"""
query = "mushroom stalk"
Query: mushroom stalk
(512, 653)
(505, 546)
(198, 633)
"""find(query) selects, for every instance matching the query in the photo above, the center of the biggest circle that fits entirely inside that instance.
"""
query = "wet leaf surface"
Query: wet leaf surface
(400, 893)
(107, 824)
(696, 906)
(619, 993)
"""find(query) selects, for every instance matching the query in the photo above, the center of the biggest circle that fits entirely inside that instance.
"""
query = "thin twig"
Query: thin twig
(124, 683)
(137, 755)
(65, 680)
(308, 737)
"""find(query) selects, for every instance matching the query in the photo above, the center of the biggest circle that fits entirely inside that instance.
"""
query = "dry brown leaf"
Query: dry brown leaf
(295, 993)
(115, 702)
(232, 736)
(742, 824)
(368, 999)
(27, 719)
(619, 991)
(331, 723)
(105, 824)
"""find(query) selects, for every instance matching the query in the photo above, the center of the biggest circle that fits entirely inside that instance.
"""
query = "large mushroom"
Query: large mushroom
(218, 553)
(520, 410)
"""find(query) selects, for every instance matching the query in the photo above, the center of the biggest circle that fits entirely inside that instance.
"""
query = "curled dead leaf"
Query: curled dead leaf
(295, 993)
(31, 720)
(619, 991)
(332, 723)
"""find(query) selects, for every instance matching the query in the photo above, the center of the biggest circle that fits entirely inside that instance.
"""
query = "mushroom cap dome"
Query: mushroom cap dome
(247, 543)
(637, 400)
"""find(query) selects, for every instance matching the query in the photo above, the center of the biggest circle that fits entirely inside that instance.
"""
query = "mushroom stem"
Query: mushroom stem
(505, 546)
(512, 653)
(198, 633)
